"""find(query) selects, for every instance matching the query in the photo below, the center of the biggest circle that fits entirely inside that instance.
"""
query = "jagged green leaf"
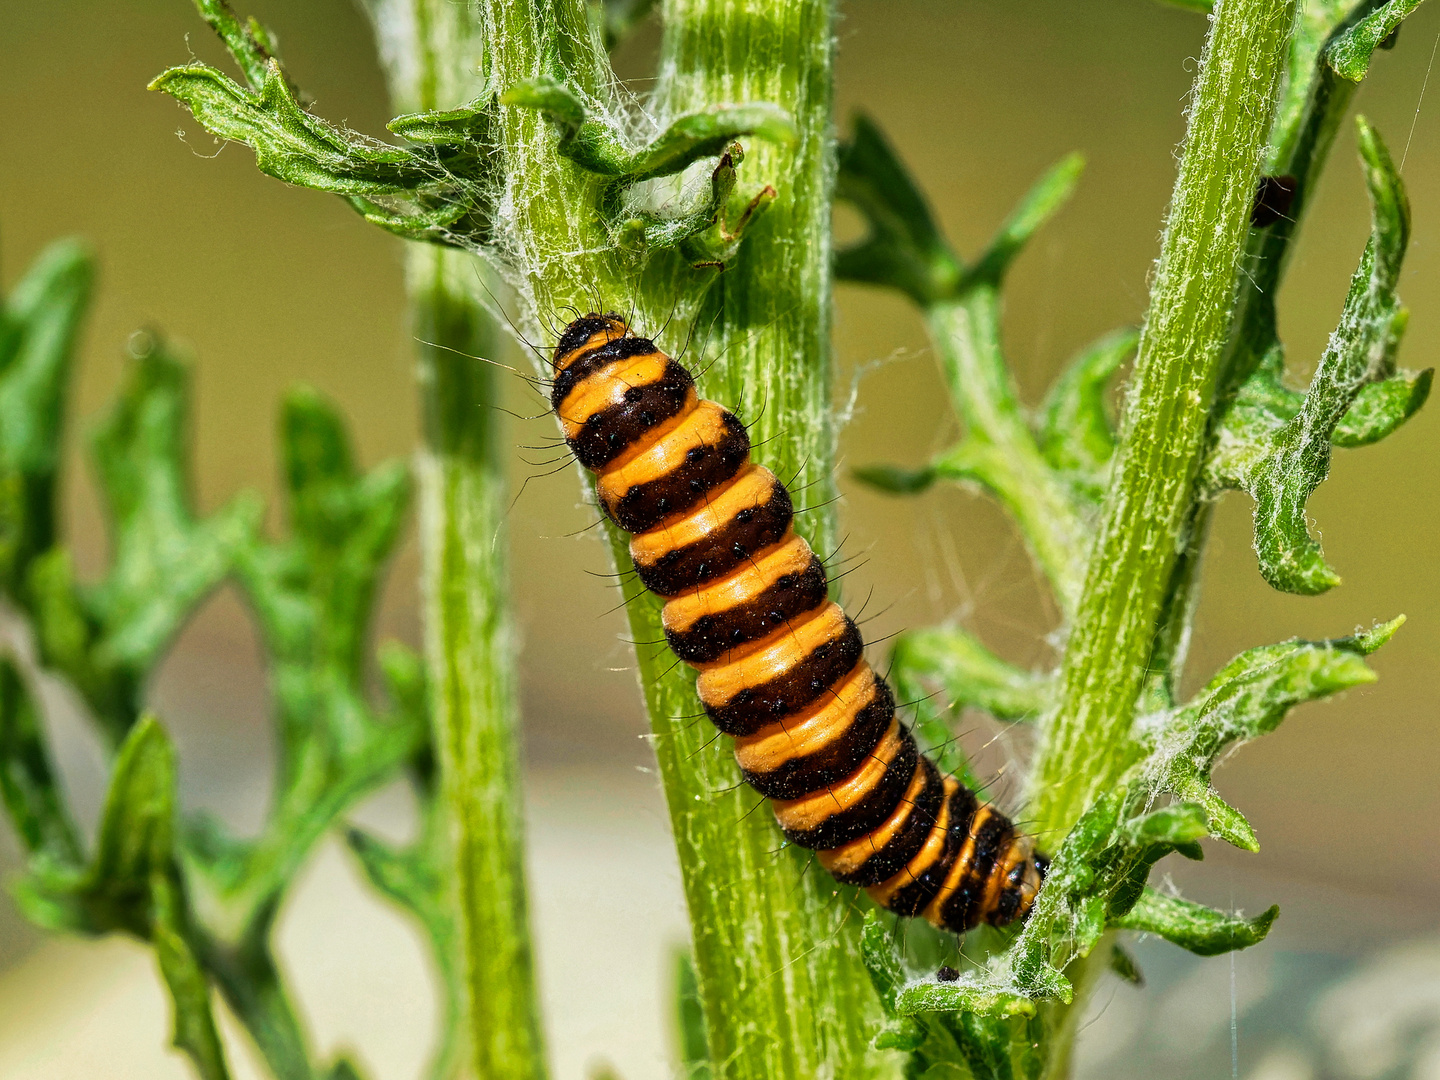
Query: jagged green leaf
(1203, 7)
(28, 781)
(1097, 878)
(165, 559)
(429, 191)
(970, 674)
(1350, 53)
(1265, 404)
(105, 638)
(1039, 205)
(39, 323)
(1248, 698)
(904, 249)
(289, 143)
(1199, 929)
(1098, 873)
(1281, 462)
(1075, 431)
(314, 593)
(595, 145)
(1381, 407)
(693, 1041)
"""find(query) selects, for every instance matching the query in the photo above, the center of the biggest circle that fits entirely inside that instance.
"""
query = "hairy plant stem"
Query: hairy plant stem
(1313, 104)
(781, 982)
(783, 990)
(433, 52)
(1168, 405)
(470, 654)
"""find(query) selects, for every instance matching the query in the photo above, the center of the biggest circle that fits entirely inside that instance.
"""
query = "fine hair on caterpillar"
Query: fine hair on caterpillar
(781, 666)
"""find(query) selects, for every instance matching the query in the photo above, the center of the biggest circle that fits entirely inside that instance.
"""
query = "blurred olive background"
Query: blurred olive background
(268, 286)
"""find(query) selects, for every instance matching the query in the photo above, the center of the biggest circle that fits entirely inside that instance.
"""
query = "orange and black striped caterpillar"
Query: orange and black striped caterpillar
(781, 666)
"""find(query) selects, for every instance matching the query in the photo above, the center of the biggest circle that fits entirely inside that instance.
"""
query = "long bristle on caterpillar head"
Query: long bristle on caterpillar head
(782, 668)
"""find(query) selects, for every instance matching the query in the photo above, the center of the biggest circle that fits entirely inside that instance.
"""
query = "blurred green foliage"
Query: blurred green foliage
(203, 898)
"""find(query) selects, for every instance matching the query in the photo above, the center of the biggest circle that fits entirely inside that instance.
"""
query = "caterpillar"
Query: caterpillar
(781, 666)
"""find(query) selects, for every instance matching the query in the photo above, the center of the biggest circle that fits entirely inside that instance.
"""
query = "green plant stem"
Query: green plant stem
(434, 54)
(780, 980)
(556, 241)
(1312, 105)
(998, 449)
(1167, 412)
(776, 953)
(470, 653)
(251, 985)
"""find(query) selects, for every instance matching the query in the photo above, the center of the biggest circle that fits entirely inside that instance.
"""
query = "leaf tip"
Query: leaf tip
(1265, 920)
(1370, 640)
(894, 479)
(1070, 167)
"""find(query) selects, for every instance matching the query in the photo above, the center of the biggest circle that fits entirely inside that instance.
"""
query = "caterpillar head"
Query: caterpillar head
(588, 332)
(1021, 875)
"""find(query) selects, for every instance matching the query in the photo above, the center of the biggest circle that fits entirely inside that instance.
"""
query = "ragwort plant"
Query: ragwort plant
(523, 171)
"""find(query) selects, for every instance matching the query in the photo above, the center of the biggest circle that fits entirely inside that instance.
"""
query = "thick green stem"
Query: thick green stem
(555, 242)
(470, 653)
(999, 450)
(434, 52)
(775, 944)
(1168, 409)
(1312, 105)
(775, 941)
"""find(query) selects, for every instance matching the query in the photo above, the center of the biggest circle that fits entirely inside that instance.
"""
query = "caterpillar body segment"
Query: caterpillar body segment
(781, 667)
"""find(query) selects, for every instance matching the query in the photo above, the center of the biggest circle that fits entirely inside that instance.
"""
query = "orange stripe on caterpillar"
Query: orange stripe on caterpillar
(781, 666)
